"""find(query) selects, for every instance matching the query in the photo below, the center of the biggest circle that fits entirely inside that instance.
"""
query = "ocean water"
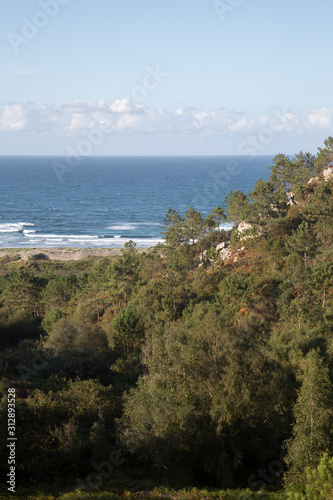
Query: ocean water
(106, 201)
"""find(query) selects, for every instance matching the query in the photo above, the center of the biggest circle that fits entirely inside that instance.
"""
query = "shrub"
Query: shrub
(319, 485)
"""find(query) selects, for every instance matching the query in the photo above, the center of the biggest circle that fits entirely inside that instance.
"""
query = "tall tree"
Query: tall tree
(238, 206)
(125, 270)
(319, 210)
(173, 230)
(282, 171)
(325, 156)
(322, 280)
(303, 241)
(267, 203)
(313, 411)
(302, 168)
(219, 215)
(22, 291)
(193, 224)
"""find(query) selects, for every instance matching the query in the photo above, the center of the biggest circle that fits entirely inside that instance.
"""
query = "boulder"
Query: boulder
(243, 226)
(290, 198)
(222, 245)
(225, 254)
(313, 180)
(328, 173)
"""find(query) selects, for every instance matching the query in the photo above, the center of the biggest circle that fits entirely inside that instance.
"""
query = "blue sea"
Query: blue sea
(106, 201)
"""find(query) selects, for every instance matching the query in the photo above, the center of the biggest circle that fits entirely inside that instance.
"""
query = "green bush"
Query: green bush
(319, 485)
(38, 256)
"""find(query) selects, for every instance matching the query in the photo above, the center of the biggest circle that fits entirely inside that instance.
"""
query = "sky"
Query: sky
(165, 77)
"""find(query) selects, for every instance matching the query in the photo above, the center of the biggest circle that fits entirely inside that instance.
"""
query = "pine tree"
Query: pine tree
(320, 211)
(173, 230)
(268, 203)
(238, 206)
(325, 156)
(219, 215)
(303, 241)
(193, 224)
(302, 168)
(282, 170)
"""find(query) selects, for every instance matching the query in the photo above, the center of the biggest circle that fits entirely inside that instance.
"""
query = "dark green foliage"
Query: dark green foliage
(193, 224)
(319, 211)
(324, 157)
(20, 290)
(64, 428)
(302, 168)
(238, 206)
(267, 204)
(303, 241)
(126, 328)
(68, 336)
(219, 215)
(38, 256)
(282, 171)
(312, 431)
(124, 271)
(59, 291)
(172, 230)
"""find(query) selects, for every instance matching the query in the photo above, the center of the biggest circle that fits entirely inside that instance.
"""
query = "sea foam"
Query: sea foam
(14, 227)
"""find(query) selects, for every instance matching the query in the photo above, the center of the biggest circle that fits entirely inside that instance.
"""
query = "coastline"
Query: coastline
(64, 254)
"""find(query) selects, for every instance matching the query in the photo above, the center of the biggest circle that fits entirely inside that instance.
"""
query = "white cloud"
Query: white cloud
(13, 118)
(241, 124)
(126, 106)
(80, 121)
(321, 117)
(126, 116)
(127, 122)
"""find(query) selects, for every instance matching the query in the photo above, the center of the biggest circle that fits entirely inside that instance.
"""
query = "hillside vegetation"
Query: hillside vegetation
(205, 362)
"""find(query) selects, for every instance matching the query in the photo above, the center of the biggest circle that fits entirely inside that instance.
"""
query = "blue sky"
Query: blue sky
(127, 77)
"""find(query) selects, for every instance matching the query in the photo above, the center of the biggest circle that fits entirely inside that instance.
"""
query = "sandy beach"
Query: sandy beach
(63, 254)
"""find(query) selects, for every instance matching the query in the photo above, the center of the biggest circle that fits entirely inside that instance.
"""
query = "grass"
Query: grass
(157, 494)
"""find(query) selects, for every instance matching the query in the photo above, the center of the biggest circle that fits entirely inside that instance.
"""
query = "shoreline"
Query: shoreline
(65, 253)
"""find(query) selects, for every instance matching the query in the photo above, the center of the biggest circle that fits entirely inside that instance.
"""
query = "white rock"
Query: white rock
(290, 198)
(235, 259)
(328, 173)
(225, 254)
(313, 180)
(220, 246)
(243, 226)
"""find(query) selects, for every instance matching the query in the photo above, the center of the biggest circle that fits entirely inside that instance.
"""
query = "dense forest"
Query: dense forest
(205, 362)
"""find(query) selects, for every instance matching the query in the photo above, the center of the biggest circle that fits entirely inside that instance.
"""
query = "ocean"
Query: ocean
(106, 201)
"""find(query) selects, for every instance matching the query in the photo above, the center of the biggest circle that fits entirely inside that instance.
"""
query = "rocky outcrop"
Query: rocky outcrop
(313, 180)
(243, 226)
(290, 198)
(222, 245)
(328, 173)
(225, 254)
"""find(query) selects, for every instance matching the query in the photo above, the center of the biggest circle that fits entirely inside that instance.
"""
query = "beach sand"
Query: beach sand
(64, 254)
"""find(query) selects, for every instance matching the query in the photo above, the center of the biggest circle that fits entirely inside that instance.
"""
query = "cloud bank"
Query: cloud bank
(124, 116)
